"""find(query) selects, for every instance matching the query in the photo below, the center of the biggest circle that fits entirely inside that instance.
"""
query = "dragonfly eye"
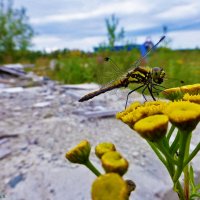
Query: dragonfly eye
(158, 75)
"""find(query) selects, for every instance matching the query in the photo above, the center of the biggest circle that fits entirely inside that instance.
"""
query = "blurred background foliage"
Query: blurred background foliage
(72, 67)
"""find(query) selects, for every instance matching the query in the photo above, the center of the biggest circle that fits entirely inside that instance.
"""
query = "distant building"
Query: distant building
(127, 47)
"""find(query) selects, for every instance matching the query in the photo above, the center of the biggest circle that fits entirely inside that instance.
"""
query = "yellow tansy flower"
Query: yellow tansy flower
(130, 108)
(191, 89)
(155, 107)
(80, 153)
(113, 162)
(192, 98)
(183, 114)
(153, 127)
(110, 186)
(173, 93)
(135, 115)
(133, 106)
(178, 92)
(155, 103)
(103, 148)
(131, 116)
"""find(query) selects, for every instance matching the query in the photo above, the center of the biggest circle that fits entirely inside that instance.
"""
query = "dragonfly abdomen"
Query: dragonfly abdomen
(100, 91)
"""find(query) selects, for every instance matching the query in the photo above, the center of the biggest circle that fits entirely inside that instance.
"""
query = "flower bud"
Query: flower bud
(109, 186)
(191, 89)
(183, 114)
(80, 153)
(173, 93)
(113, 162)
(103, 148)
(152, 128)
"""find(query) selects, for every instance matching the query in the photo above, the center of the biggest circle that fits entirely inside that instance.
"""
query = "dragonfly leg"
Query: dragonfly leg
(143, 93)
(151, 93)
(156, 90)
(154, 84)
(130, 93)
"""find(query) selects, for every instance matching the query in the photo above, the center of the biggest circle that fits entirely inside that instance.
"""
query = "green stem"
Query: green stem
(92, 168)
(169, 134)
(160, 156)
(179, 190)
(186, 183)
(192, 155)
(186, 168)
(175, 144)
(164, 148)
(182, 151)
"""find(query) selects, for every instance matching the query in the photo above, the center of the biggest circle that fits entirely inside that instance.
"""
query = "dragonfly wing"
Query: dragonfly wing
(139, 61)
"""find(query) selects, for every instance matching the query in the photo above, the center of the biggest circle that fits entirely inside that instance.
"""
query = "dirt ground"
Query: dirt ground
(44, 122)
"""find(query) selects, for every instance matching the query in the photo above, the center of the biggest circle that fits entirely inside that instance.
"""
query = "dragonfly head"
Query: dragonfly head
(158, 74)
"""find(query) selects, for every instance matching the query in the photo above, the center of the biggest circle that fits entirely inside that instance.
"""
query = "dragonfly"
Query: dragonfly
(146, 77)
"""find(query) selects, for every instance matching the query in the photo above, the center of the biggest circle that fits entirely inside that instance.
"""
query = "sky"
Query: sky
(80, 24)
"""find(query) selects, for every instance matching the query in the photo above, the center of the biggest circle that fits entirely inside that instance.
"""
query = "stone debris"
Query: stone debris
(12, 90)
(42, 104)
(4, 153)
(15, 180)
(14, 75)
(13, 70)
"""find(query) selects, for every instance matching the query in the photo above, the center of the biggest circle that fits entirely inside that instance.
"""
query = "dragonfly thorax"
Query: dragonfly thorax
(158, 74)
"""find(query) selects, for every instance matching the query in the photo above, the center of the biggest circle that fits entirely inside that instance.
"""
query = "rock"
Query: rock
(15, 180)
(135, 154)
(42, 104)
(4, 152)
(3, 141)
(12, 90)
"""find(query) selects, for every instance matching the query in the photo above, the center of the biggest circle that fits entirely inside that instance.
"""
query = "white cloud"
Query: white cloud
(50, 43)
(120, 7)
(180, 11)
(185, 39)
(46, 42)
(136, 26)
(180, 40)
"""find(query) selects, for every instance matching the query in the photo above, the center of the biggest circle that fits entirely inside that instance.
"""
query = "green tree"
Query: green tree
(113, 35)
(16, 33)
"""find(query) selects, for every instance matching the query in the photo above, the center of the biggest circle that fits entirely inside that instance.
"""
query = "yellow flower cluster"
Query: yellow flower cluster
(150, 120)
(137, 111)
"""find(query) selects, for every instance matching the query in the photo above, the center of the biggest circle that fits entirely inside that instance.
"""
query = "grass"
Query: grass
(78, 67)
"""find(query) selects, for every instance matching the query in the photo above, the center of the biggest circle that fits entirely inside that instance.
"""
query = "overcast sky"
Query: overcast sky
(80, 24)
